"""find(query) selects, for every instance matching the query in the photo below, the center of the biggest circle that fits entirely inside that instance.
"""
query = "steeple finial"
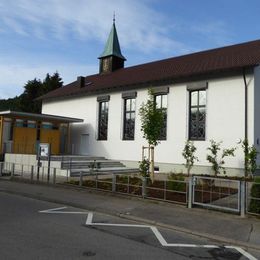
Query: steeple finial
(114, 17)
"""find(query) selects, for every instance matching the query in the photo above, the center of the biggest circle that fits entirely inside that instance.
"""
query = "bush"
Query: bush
(73, 182)
(217, 162)
(254, 205)
(189, 155)
(174, 184)
(144, 166)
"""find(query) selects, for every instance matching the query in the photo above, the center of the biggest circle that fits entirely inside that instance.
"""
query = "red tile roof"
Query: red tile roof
(178, 68)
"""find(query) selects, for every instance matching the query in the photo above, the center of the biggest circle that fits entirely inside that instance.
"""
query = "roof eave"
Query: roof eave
(40, 117)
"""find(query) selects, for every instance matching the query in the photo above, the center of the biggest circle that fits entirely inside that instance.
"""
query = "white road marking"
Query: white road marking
(242, 252)
(56, 211)
(154, 229)
(49, 210)
(159, 236)
(116, 225)
(89, 218)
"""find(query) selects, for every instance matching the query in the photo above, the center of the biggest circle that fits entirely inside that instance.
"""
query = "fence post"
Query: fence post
(48, 173)
(12, 170)
(242, 198)
(144, 187)
(165, 188)
(114, 182)
(22, 171)
(54, 176)
(80, 179)
(1, 168)
(190, 192)
(70, 163)
(31, 172)
(128, 183)
(38, 172)
(42, 173)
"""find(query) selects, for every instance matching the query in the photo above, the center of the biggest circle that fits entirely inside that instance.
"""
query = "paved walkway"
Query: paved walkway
(227, 228)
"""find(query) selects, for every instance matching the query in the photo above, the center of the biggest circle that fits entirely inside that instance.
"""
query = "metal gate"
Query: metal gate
(217, 193)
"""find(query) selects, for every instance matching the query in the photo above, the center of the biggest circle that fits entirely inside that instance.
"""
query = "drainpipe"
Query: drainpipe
(246, 121)
(246, 104)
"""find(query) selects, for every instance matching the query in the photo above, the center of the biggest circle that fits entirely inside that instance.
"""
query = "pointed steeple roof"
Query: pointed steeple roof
(112, 47)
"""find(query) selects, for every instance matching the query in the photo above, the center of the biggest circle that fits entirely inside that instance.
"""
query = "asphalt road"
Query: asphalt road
(28, 231)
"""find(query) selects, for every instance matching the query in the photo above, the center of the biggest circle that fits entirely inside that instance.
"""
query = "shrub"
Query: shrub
(217, 162)
(250, 154)
(254, 205)
(174, 184)
(73, 182)
(144, 166)
(189, 155)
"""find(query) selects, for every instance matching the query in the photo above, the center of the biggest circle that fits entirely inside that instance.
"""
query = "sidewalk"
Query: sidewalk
(227, 228)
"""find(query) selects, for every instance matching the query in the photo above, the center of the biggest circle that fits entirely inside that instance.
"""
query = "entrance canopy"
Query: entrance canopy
(39, 117)
(21, 132)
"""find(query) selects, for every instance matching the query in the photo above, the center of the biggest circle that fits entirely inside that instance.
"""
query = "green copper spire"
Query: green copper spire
(112, 47)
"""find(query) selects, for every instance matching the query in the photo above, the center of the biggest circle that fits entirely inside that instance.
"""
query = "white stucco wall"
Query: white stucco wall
(224, 122)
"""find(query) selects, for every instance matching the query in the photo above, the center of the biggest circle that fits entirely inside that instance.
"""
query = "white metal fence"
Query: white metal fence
(222, 194)
(31, 173)
(216, 193)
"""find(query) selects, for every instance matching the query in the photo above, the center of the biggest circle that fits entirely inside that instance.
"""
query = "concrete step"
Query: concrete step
(67, 158)
(103, 171)
(87, 164)
(83, 163)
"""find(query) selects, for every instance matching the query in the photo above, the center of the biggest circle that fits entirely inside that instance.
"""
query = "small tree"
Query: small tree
(151, 125)
(189, 155)
(213, 158)
(250, 154)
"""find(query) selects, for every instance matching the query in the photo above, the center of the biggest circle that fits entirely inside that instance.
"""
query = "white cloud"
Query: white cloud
(14, 77)
(88, 19)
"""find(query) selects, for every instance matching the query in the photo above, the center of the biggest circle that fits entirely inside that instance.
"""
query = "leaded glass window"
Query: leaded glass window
(129, 119)
(197, 117)
(103, 120)
(161, 103)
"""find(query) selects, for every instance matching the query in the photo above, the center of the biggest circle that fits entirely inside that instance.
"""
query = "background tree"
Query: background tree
(51, 82)
(32, 89)
(189, 155)
(151, 125)
(10, 104)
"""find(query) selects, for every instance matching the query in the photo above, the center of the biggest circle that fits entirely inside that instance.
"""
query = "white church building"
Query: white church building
(208, 95)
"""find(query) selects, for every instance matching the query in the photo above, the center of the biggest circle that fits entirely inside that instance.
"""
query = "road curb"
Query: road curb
(188, 231)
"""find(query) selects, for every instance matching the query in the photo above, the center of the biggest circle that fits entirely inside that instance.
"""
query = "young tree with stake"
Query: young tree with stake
(151, 125)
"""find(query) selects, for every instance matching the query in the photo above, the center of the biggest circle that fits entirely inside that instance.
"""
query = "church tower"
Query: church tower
(111, 59)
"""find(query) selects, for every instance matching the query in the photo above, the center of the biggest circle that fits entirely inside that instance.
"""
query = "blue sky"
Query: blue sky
(44, 36)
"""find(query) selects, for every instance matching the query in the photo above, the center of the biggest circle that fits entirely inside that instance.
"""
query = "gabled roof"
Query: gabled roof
(180, 68)
(112, 47)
